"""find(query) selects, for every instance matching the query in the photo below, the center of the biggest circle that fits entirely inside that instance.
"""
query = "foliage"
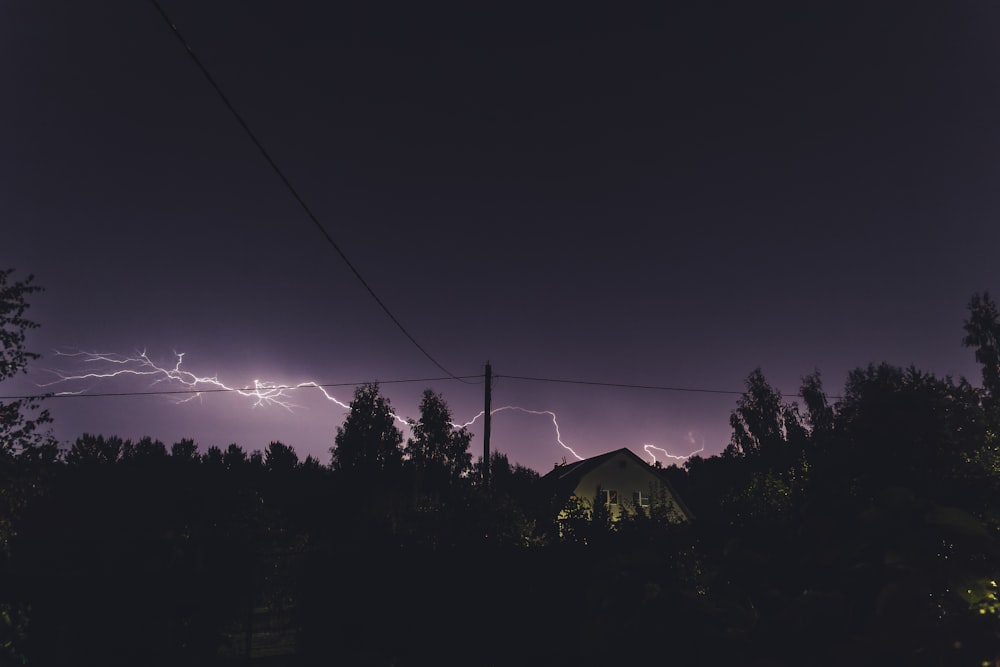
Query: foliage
(184, 451)
(761, 423)
(507, 478)
(505, 511)
(279, 457)
(368, 443)
(766, 464)
(145, 451)
(27, 449)
(256, 459)
(22, 424)
(819, 413)
(234, 457)
(95, 449)
(982, 332)
(438, 450)
(213, 457)
(26, 446)
(574, 520)
(14, 325)
(910, 428)
(768, 496)
(868, 527)
(14, 621)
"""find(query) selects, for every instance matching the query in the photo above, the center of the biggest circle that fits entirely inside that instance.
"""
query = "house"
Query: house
(617, 481)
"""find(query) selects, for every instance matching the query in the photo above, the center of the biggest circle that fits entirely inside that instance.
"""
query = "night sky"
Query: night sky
(669, 197)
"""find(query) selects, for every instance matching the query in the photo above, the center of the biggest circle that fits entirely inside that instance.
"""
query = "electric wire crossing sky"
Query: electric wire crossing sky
(263, 393)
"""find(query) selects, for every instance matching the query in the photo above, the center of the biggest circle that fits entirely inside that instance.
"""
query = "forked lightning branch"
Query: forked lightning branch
(188, 385)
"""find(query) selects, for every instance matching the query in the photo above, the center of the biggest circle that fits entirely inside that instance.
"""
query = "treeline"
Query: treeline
(130, 552)
(863, 531)
(374, 486)
(856, 531)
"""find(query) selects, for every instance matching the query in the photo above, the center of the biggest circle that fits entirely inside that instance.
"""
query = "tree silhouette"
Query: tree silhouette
(234, 457)
(438, 451)
(368, 443)
(21, 422)
(909, 427)
(256, 459)
(146, 450)
(279, 457)
(213, 457)
(26, 445)
(95, 449)
(769, 444)
(511, 479)
(184, 450)
(508, 507)
(760, 419)
(819, 414)
(312, 464)
(982, 332)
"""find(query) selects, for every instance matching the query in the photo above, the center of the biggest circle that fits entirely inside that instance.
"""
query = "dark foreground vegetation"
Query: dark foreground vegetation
(857, 532)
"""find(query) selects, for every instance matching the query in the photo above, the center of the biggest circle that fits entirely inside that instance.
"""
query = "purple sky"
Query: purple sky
(667, 198)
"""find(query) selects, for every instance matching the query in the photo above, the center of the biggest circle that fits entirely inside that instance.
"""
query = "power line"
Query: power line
(291, 189)
(222, 390)
(625, 385)
(496, 377)
(621, 385)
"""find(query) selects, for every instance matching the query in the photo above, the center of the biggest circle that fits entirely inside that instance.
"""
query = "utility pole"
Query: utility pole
(486, 425)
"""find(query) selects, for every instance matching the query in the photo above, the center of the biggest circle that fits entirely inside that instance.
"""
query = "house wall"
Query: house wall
(625, 475)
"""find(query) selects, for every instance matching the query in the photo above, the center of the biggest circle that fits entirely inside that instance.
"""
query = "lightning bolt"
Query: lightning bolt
(551, 414)
(666, 454)
(263, 393)
(676, 457)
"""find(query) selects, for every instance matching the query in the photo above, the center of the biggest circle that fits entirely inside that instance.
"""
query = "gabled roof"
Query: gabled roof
(578, 469)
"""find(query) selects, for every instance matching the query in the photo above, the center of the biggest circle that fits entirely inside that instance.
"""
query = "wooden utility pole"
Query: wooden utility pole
(486, 425)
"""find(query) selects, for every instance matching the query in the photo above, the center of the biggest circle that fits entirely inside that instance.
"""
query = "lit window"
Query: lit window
(610, 496)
